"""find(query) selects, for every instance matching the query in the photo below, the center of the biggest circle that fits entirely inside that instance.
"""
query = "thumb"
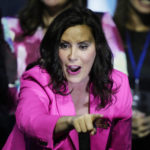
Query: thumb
(96, 116)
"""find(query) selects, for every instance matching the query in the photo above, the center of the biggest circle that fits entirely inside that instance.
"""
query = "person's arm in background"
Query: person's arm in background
(140, 124)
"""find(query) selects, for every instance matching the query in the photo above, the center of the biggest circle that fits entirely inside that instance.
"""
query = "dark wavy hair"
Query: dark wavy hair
(100, 75)
(31, 16)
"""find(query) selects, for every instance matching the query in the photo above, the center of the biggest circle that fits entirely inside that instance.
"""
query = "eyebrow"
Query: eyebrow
(86, 41)
(64, 41)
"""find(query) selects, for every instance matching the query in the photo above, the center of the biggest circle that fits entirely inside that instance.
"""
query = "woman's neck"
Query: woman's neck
(80, 96)
(79, 89)
(136, 23)
(82, 86)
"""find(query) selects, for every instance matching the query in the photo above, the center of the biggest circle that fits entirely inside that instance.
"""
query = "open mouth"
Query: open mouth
(73, 69)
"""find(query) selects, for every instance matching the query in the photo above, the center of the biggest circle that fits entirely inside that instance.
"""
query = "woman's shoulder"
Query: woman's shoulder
(117, 75)
(123, 96)
(121, 84)
(36, 71)
(119, 78)
(38, 74)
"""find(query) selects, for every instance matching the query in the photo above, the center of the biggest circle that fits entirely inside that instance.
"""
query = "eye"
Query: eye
(64, 45)
(83, 46)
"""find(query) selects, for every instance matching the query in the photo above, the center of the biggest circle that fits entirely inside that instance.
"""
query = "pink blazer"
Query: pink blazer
(39, 109)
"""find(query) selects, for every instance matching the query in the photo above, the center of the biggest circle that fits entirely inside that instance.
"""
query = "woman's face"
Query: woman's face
(77, 53)
(142, 6)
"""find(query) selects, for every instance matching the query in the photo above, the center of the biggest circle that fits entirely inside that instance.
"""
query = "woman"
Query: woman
(133, 20)
(24, 35)
(73, 91)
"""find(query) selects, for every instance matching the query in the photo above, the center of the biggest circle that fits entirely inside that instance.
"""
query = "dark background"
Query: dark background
(11, 7)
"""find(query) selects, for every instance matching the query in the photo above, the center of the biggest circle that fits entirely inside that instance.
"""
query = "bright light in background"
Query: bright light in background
(102, 5)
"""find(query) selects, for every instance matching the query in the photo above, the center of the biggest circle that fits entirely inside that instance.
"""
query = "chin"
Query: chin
(78, 80)
(73, 81)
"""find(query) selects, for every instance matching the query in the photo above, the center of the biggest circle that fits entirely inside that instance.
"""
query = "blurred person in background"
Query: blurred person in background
(133, 21)
(25, 32)
(105, 10)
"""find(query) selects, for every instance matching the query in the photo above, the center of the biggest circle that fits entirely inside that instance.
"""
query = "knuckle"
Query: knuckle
(75, 122)
(86, 115)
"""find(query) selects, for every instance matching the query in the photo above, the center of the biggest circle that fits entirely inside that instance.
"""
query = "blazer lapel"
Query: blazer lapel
(66, 107)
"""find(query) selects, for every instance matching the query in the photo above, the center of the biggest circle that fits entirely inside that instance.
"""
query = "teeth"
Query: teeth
(74, 68)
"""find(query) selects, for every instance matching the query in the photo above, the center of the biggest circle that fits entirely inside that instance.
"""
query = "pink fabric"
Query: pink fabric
(39, 109)
(112, 33)
(26, 49)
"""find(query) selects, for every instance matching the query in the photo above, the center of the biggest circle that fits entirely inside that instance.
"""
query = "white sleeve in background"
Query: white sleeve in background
(102, 6)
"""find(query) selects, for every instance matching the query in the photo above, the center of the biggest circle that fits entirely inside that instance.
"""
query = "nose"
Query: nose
(73, 54)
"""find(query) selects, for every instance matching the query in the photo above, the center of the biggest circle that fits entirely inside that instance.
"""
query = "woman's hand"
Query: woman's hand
(81, 123)
(140, 124)
(85, 123)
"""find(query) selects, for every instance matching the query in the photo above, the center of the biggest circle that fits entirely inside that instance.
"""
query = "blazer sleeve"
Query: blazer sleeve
(121, 128)
(33, 112)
